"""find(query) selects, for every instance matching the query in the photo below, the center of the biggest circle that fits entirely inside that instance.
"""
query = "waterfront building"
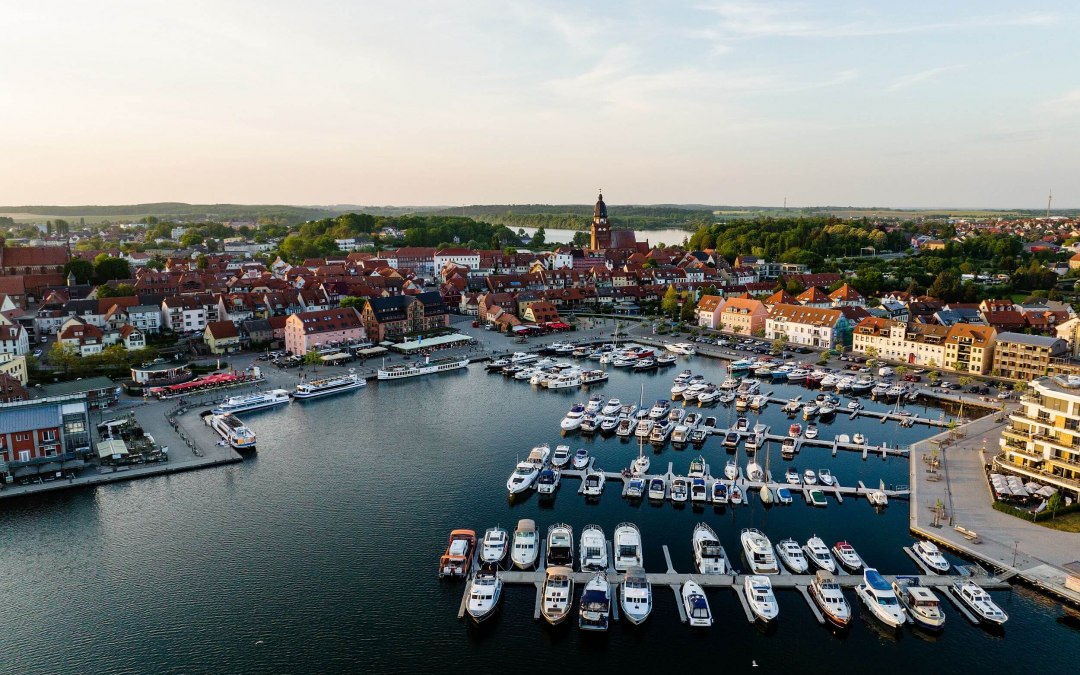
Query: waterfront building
(222, 337)
(42, 435)
(970, 348)
(809, 326)
(709, 310)
(307, 330)
(916, 344)
(400, 315)
(1042, 441)
(743, 316)
(1024, 357)
(99, 393)
(183, 314)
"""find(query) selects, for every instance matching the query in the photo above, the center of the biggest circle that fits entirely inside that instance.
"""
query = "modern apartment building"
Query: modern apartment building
(1025, 357)
(1042, 441)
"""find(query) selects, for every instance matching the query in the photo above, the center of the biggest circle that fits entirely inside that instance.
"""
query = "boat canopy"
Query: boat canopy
(876, 581)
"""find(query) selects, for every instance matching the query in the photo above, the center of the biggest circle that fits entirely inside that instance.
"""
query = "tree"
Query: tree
(82, 269)
(117, 291)
(202, 261)
(190, 238)
(355, 302)
(580, 240)
(933, 375)
(539, 240)
(155, 263)
(63, 355)
(107, 268)
(687, 312)
(670, 303)
(965, 380)
(872, 352)
(901, 370)
(779, 344)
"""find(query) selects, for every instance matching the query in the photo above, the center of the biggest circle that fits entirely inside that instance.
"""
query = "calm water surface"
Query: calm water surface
(320, 554)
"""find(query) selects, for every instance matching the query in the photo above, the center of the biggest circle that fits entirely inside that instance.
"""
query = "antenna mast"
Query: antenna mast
(1048, 200)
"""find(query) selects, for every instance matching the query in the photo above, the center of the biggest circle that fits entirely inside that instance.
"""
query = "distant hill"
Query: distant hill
(197, 212)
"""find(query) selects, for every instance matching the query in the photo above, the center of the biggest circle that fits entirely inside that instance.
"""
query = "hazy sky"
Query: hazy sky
(920, 103)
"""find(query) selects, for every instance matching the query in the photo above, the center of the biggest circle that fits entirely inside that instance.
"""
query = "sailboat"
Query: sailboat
(641, 465)
(766, 492)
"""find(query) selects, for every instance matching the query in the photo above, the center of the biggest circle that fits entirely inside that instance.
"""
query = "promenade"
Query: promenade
(1011, 545)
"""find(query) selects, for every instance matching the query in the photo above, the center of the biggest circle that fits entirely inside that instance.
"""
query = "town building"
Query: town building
(41, 436)
(308, 330)
(183, 314)
(83, 338)
(743, 316)
(398, 316)
(970, 348)
(808, 326)
(1025, 357)
(710, 308)
(222, 337)
(14, 366)
(1042, 441)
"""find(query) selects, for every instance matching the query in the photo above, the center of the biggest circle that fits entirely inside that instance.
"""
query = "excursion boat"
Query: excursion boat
(680, 489)
(560, 545)
(229, 427)
(593, 549)
(636, 601)
(719, 492)
(594, 484)
(573, 419)
(709, 556)
(930, 555)
(818, 553)
(526, 546)
(696, 605)
(548, 481)
(657, 488)
(484, 592)
(847, 557)
(759, 595)
(328, 386)
(457, 559)
(921, 603)
(561, 457)
(791, 555)
(426, 368)
(581, 459)
(758, 551)
(626, 545)
(259, 401)
(879, 597)
(494, 545)
(975, 598)
(595, 610)
(557, 595)
(829, 597)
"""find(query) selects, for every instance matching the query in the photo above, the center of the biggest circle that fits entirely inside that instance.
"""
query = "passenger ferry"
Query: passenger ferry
(330, 385)
(233, 430)
(425, 368)
(263, 399)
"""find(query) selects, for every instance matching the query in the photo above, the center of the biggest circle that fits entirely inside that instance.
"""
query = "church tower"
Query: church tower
(601, 231)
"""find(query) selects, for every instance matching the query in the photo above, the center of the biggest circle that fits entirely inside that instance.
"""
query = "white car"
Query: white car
(1004, 395)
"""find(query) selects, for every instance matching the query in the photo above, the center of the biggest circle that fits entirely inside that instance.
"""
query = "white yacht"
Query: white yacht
(229, 427)
(657, 488)
(526, 545)
(561, 457)
(680, 489)
(636, 601)
(696, 605)
(697, 467)
(593, 549)
(567, 380)
(493, 547)
(558, 594)
(595, 610)
(594, 484)
(709, 556)
(659, 410)
(921, 603)
(609, 424)
(847, 557)
(978, 601)
(573, 418)
(581, 459)
(612, 407)
(625, 426)
(684, 348)
(731, 470)
(931, 556)
(626, 545)
(484, 591)
(818, 553)
(259, 401)
(825, 477)
(758, 551)
(328, 386)
(640, 465)
(521, 358)
(644, 428)
(547, 483)
(560, 545)
(829, 597)
(661, 431)
(759, 595)
(811, 431)
(525, 474)
(789, 553)
(792, 476)
(858, 439)
(720, 494)
(594, 404)
(809, 477)
(879, 597)
(754, 472)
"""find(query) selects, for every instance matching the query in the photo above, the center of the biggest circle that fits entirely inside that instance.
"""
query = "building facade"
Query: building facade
(743, 316)
(39, 435)
(308, 330)
(709, 310)
(1025, 357)
(1042, 441)
(397, 316)
(807, 326)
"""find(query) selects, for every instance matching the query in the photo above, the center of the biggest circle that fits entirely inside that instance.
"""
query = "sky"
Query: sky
(914, 104)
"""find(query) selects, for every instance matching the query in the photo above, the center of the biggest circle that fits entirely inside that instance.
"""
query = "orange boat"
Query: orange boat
(457, 559)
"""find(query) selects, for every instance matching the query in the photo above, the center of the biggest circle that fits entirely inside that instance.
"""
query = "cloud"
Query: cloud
(1066, 105)
(923, 76)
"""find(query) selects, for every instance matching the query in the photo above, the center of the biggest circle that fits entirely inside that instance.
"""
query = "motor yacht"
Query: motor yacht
(548, 482)
(484, 591)
(726, 398)
(627, 548)
(612, 407)
(593, 483)
(795, 430)
(593, 548)
(526, 545)
(811, 431)
(560, 545)
(759, 595)
(921, 603)
(797, 375)
(625, 427)
(845, 554)
(809, 411)
(697, 468)
(572, 421)
(659, 410)
(788, 447)
(709, 394)
(557, 594)
(758, 551)
(696, 605)
(680, 489)
(829, 597)
(792, 476)
(825, 477)
(979, 601)
(809, 477)
(699, 491)
(789, 553)
(719, 492)
(879, 597)
(590, 422)
(635, 488)
(818, 553)
(676, 415)
(457, 559)
(792, 406)
(657, 488)
(609, 424)
(494, 546)
(636, 601)
(930, 556)
(581, 459)
(523, 477)
(644, 428)
(731, 470)
(561, 457)
(859, 439)
(661, 431)
(731, 439)
(828, 381)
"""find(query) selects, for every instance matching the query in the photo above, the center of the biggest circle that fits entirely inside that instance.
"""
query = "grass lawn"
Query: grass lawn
(1070, 522)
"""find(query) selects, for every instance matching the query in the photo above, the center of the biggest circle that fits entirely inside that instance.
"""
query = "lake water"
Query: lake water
(320, 554)
(654, 237)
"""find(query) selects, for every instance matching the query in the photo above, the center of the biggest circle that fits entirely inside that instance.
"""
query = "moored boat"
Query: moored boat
(249, 402)
(525, 548)
(759, 595)
(829, 597)
(758, 552)
(457, 559)
(818, 553)
(696, 605)
(626, 546)
(930, 556)
(328, 386)
(921, 603)
(636, 601)
(593, 548)
(791, 555)
(878, 597)
(557, 594)
(484, 592)
(560, 545)
(975, 598)
(709, 556)
(494, 546)
(847, 557)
